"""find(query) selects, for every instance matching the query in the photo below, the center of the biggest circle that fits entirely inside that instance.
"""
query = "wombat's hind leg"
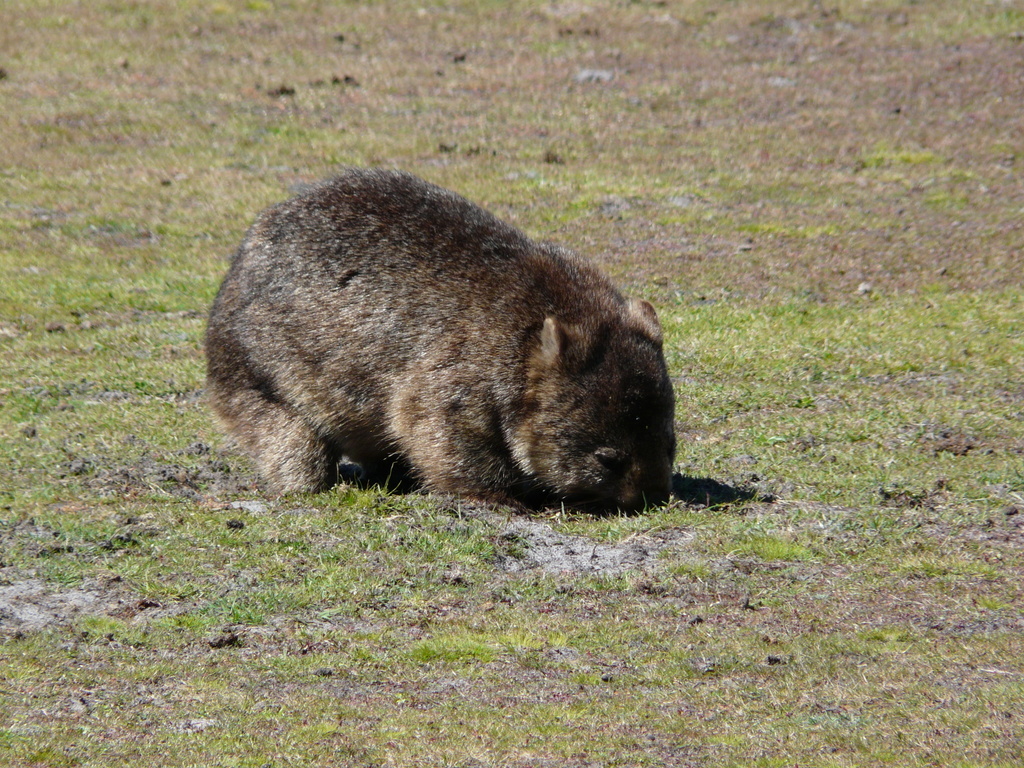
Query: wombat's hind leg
(288, 452)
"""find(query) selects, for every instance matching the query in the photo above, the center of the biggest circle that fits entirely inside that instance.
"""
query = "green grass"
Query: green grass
(821, 201)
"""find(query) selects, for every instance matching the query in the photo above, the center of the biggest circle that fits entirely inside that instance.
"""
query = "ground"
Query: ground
(822, 199)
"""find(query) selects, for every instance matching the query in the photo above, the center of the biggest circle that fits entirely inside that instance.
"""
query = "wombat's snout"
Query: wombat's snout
(627, 499)
(650, 489)
(623, 481)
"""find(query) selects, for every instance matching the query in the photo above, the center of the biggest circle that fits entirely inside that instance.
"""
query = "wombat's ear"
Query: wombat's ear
(552, 342)
(643, 314)
(562, 344)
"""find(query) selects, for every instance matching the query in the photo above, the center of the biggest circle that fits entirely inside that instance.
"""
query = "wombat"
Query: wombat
(385, 320)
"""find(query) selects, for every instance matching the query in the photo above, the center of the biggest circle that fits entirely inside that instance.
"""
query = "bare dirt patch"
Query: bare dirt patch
(30, 605)
(530, 544)
(33, 604)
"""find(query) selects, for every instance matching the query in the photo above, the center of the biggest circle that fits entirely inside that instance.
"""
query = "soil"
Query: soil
(30, 605)
(531, 544)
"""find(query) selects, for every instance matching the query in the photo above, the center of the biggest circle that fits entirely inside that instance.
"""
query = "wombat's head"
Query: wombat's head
(599, 427)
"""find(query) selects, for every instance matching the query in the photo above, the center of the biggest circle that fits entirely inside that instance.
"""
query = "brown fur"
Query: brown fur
(381, 318)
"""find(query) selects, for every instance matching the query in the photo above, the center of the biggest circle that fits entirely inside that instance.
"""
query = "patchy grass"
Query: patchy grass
(823, 200)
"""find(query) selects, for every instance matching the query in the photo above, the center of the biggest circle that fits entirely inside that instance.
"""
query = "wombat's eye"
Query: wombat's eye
(610, 459)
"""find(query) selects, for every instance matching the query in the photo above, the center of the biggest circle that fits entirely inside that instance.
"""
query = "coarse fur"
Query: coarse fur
(379, 318)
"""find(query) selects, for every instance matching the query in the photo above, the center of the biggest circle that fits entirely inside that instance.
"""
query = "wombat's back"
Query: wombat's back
(377, 229)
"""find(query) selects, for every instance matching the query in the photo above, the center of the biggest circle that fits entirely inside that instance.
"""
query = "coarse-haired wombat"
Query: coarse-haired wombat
(386, 320)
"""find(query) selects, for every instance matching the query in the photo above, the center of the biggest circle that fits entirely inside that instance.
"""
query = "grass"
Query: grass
(821, 200)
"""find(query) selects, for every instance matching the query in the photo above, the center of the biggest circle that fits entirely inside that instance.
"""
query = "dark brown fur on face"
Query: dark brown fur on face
(381, 318)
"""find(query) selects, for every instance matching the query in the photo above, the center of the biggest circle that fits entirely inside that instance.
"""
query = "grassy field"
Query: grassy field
(824, 201)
